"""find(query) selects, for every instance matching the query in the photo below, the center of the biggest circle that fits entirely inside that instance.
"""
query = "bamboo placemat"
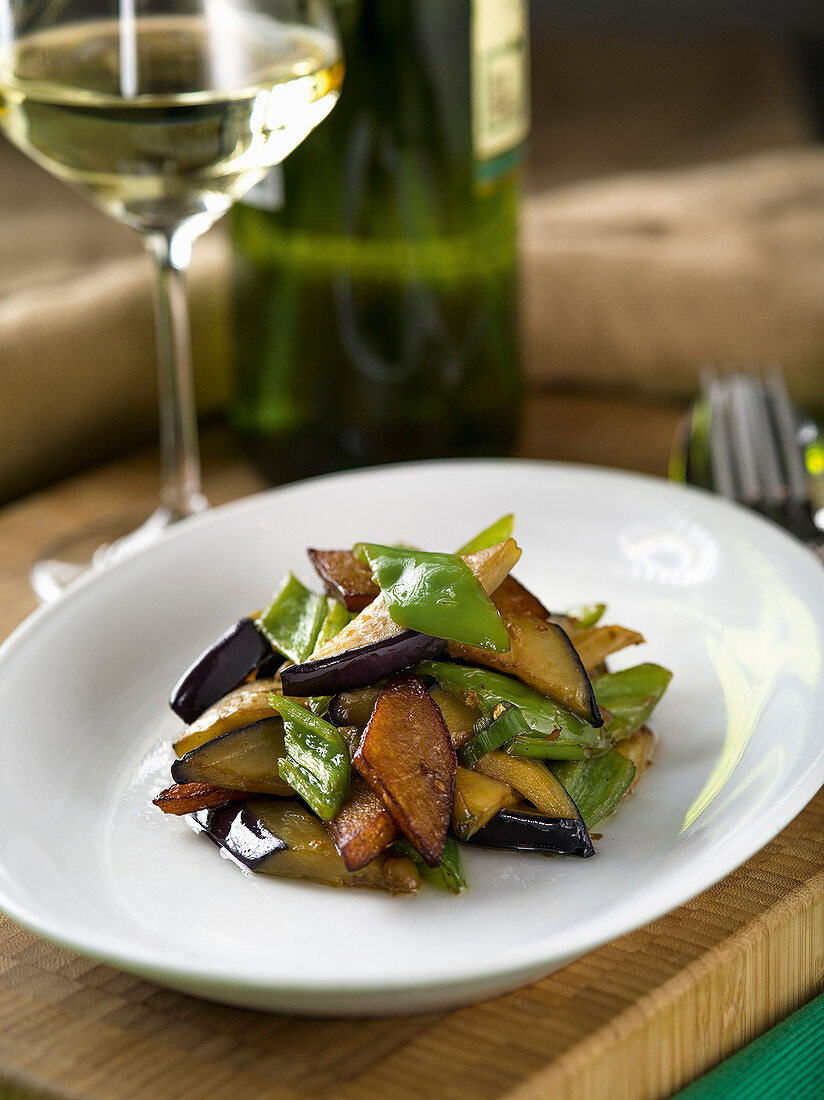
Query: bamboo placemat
(635, 1019)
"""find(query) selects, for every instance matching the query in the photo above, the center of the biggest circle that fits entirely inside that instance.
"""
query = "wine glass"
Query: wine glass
(162, 112)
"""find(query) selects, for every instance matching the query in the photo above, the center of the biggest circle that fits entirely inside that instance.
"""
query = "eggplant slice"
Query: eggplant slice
(220, 668)
(241, 833)
(353, 708)
(244, 759)
(514, 831)
(556, 826)
(241, 707)
(541, 656)
(278, 837)
(357, 668)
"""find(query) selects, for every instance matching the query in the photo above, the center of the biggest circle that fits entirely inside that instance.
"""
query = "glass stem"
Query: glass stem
(180, 489)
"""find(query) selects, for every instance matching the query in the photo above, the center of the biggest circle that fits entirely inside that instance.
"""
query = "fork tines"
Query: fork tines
(755, 456)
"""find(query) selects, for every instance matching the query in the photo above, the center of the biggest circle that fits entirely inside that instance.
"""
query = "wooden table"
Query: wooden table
(636, 1019)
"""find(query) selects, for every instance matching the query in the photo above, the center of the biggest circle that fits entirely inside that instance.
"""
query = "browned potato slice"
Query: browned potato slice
(362, 827)
(477, 799)
(406, 757)
(188, 798)
(595, 645)
(542, 656)
(241, 707)
(374, 623)
(346, 579)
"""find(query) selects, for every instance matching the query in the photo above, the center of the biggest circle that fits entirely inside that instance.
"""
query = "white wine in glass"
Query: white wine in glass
(163, 114)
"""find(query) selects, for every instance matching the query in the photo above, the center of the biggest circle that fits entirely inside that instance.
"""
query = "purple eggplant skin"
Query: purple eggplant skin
(514, 831)
(237, 830)
(219, 669)
(269, 666)
(353, 708)
(360, 667)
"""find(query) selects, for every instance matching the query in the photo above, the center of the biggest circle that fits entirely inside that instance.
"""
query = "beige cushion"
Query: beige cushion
(630, 279)
(635, 281)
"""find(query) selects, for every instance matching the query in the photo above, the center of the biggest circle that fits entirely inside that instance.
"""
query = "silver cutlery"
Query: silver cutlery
(744, 439)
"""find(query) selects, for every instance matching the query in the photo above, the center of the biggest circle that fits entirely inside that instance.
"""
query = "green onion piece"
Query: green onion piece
(448, 875)
(317, 763)
(588, 614)
(545, 748)
(630, 696)
(499, 531)
(505, 726)
(480, 687)
(596, 786)
(435, 594)
(293, 619)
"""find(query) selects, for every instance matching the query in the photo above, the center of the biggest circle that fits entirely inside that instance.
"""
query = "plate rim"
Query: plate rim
(529, 959)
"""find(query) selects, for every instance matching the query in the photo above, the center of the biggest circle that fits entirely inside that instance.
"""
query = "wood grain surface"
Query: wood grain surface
(635, 1019)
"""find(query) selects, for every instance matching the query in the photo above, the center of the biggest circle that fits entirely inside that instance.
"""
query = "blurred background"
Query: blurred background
(673, 214)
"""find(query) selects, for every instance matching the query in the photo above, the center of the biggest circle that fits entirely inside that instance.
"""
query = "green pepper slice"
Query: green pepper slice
(293, 619)
(448, 875)
(317, 763)
(587, 614)
(630, 696)
(337, 617)
(435, 594)
(596, 786)
(499, 531)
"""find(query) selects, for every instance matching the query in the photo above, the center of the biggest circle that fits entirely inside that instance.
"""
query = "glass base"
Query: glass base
(94, 548)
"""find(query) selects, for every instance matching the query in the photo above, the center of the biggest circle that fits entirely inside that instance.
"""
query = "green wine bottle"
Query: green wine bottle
(375, 287)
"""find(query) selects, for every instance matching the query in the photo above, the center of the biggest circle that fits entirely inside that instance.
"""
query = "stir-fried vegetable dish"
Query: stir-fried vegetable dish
(424, 702)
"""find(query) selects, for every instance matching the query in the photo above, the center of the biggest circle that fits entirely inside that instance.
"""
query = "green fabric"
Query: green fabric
(786, 1062)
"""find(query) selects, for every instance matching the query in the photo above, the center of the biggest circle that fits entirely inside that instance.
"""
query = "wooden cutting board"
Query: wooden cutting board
(635, 1019)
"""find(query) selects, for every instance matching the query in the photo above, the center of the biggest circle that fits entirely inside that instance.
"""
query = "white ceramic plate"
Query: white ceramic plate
(729, 603)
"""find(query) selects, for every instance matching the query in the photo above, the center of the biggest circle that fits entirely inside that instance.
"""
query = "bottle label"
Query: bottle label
(268, 194)
(500, 93)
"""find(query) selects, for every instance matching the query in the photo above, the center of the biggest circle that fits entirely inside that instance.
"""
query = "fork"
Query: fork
(742, 441)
